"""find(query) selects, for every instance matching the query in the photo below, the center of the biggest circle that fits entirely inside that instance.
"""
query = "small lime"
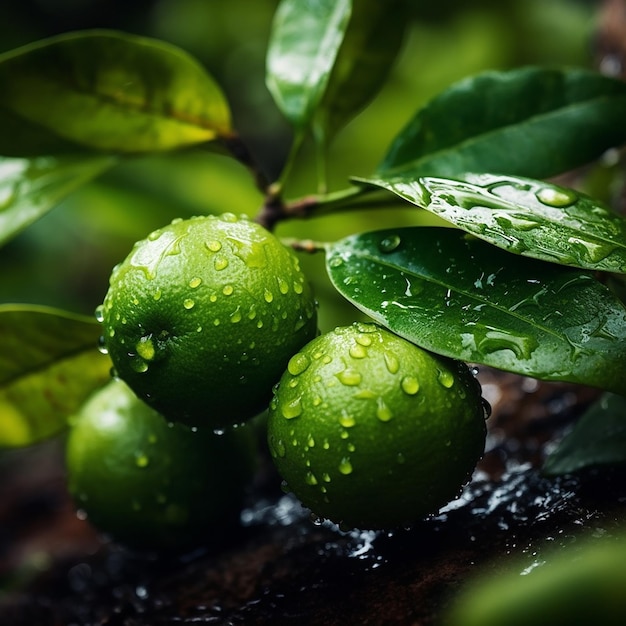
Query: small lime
(371, 431)
(152, 484)
(202, 316)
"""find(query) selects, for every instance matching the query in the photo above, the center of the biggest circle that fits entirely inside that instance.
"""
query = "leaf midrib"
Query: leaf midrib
(475, 139)
(466, 294)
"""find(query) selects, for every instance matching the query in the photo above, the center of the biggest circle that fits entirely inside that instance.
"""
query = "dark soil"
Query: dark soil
(280, 567)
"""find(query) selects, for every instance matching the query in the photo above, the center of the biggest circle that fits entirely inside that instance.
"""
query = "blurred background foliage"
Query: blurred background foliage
(65, 259)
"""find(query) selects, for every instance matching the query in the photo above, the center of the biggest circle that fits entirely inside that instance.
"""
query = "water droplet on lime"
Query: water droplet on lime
(298, 363)
(220, 263)
(358, 351)
(383, 412)
(345, 467)
(410, 385)
(188, 303)
(349, 377)
(102, 348)
(346, 420)
(292, 408)
(445, 378)
(364, 340)
(392, 363)
(214, 246)
(145, 348)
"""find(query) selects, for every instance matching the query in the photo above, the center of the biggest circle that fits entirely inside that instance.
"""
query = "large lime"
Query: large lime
(371, 431)
(202, 316)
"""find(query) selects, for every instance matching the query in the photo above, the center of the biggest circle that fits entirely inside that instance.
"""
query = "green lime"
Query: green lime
(370, 431)
(150, 483)
(579, 585)
(202, 316)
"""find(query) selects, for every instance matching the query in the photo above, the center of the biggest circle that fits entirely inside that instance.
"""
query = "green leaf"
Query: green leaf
(523, 216)
(531, 122)
(304, 43)
(49, 364)
(29, 188)
(107, 91)
(460, 297)
(598, 438)
(372, 41)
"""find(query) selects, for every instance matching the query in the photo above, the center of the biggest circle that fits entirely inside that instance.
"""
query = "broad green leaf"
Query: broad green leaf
(29, 188)
(372, 41)
(304, 42)
(523, 216)
(458, 296)
(49, 364)
(531, 122)
(107, 91)
(598, 438)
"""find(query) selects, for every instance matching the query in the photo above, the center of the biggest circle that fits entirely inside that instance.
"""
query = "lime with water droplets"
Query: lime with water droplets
(202, 316)
(370, 431)
(151, 484)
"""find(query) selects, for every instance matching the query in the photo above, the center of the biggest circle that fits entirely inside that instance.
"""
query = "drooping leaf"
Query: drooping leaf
(29, 188)
(107, 91)
(458, 296)
(372, 41)
(304, 42)
(533, 122)
(598, 438)
(49, 364)
(523, 216)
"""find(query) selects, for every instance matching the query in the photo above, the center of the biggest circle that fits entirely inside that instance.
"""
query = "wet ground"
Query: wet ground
(280, 567)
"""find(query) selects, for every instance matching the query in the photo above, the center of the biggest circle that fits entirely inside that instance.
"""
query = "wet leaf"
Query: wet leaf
(372, 41)
(523, 216)
(106, 91)
(533, 122)
(49, 364)
(458, 296)
(304, 43)
(29, 188)
(598, 438)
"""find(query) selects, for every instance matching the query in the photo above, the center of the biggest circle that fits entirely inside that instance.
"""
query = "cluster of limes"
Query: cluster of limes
(202, 320)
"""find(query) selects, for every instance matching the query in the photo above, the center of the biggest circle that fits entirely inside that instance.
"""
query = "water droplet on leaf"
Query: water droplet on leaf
(557, 198)
(389, 244)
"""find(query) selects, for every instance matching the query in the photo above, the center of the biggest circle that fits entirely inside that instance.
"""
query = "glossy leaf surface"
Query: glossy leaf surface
(29, 188)
(49, 364)
(598, 438)
(372, 41)
(524, 216)
(304, 44)
(107, 91)
(458, 296)
(531, 122)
